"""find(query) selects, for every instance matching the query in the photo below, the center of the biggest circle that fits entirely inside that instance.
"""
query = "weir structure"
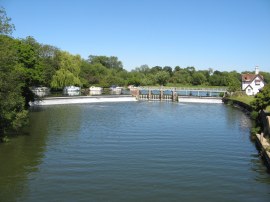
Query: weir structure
(177, 94)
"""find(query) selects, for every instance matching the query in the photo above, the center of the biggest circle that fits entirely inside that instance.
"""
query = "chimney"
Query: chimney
(256, 70)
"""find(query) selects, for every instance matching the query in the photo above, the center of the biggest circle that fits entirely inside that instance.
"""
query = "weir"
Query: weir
(82, 100)
(179, 94)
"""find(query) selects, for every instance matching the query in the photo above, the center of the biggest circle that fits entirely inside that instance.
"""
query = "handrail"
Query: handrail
(183, 88)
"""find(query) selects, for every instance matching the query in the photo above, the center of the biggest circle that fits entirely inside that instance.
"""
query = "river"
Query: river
(134, 151)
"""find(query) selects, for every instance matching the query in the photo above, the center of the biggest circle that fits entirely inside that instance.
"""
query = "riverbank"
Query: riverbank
(264, 146)
(261, 141)
(82, 100)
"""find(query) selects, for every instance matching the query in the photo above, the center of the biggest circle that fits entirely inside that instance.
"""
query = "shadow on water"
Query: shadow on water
(240, 117)
(20, 158)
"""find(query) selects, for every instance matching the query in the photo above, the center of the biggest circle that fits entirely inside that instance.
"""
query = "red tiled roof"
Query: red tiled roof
(250, 77)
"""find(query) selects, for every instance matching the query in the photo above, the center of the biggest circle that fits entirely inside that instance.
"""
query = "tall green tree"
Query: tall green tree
(262, 99)
(12, 103)
(162, 77)
(168, 69)
(68, 72)
(198, 78)
(109, 62)
(6, 27)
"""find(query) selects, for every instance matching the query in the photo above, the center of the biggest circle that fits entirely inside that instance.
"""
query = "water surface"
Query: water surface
(143, 151)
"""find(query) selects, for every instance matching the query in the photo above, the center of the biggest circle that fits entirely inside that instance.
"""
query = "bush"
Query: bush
(255, 130)
(230, 102)
(221, 94)
(254, 115)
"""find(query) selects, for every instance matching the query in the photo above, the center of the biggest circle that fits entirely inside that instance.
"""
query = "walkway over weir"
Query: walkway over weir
(165, 93)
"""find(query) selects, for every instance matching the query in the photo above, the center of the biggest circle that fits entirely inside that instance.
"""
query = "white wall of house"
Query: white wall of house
(252, 88)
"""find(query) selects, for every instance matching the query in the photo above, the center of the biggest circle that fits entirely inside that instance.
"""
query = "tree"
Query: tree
(68, 72)
(6, 27)
(109, 62)
(191, 70)
(198, 78)
(262, 99)
(12, 104)
(143, 69)
(64, 77)
(168, 69)
(162, 77)
(266, 76)
(155, 69)
(48, 62)
(28, 58)
(182, 76)
(234, 85)
(177, 68)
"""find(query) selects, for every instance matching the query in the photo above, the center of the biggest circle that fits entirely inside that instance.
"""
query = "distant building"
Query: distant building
(252, 83)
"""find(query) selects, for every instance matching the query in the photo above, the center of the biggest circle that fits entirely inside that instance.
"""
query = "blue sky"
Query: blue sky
(224, 35)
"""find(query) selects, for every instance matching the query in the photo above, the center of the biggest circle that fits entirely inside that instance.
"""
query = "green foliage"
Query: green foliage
(266, 76)
(221, 95)
(168, 69)
(254, 115)
(230, 102)
(233, 85)
(144, 69)
(108, 62)
(70, 62)
(155, 69)
(6, 27)
(231, 79)
(62, 78)
(182, 76)
(262, 99)
(255, 130)
(198, 78)
(68, 72)
(12, 84)
(162, 77)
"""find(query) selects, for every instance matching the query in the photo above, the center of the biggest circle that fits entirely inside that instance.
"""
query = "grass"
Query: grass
(243, 98)
(246, 99)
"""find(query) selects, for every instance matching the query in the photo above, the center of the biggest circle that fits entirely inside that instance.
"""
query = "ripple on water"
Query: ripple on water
(143, 151)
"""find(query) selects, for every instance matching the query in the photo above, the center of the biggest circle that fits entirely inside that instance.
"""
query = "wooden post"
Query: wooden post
(137, 92)
(161, 94)
(149, 94)
(174, 96)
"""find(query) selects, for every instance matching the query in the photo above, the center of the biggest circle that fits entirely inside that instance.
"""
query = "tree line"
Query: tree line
(25, 63)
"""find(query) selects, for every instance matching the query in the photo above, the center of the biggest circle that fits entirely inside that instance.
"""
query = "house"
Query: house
(252, 83)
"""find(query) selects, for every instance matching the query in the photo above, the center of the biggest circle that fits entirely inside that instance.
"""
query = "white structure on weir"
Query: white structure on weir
(252, 83)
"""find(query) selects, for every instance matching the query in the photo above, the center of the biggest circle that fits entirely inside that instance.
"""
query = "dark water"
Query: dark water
(143, 151)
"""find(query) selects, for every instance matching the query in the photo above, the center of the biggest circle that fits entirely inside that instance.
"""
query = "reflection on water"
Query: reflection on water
(72, 93)
(95, 92)
(143, 151)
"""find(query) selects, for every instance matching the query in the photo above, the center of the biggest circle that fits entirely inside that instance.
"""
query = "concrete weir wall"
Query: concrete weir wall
(193, 99)
(264, 147)
(81, 100)
(265, 117)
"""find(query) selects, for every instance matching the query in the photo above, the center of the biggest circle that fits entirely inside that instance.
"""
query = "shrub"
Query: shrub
(255, 130)
(254, 115)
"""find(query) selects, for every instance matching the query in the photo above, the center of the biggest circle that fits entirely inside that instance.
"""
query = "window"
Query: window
(257, 82)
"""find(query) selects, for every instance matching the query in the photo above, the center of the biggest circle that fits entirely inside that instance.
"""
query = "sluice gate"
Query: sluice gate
(175, 94)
